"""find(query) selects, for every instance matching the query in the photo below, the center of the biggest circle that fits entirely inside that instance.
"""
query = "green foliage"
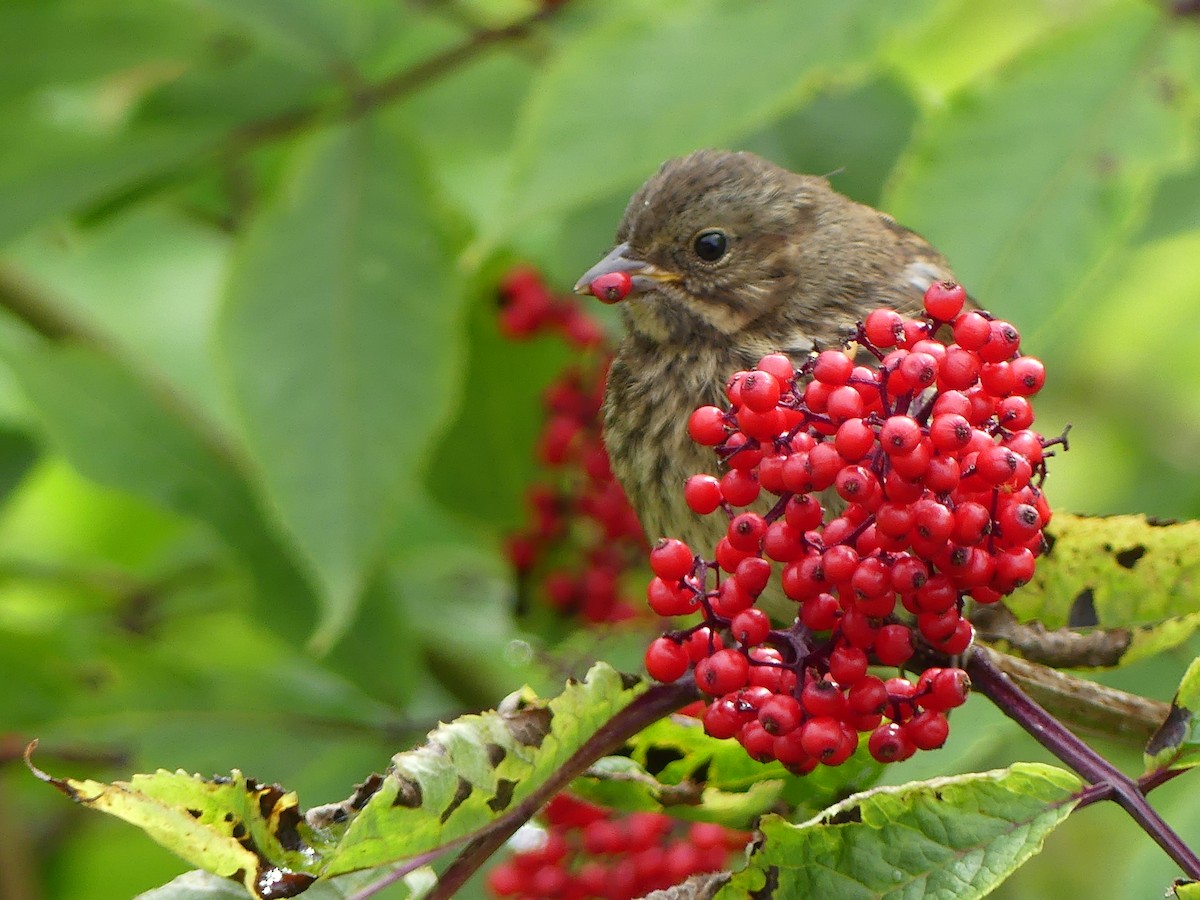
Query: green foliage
(260, 439)
(697, 777)
(947, 837)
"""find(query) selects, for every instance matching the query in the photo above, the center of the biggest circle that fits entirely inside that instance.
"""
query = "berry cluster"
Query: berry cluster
(583, 536)
(589, 851)
(528, 308)
(931, 480)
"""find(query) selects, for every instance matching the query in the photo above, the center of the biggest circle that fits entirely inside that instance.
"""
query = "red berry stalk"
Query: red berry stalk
(882, 498)
(583, 537)
(589, 851)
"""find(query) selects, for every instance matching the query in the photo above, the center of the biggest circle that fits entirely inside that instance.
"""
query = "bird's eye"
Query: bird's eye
(710, 245)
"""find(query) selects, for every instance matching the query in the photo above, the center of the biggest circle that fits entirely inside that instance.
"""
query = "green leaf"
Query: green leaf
(340, 334)
(674, 767)
(1176, 744)
(120, 430)
(656, 80)
(1185, 890)
(43, 174)
(1134, 577)
(471, 771)
(475, 769)
(1026, 181)
(947, 838)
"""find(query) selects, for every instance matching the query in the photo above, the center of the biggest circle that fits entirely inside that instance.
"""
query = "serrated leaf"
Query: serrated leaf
(1176, 744)
(674, 767)
(470, 772)
(339, 330)
(947, 838)
(1025, 181)
(661, 79)
(1134, 577)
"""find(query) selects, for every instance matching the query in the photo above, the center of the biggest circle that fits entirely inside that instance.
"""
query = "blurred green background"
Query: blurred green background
(260, 439)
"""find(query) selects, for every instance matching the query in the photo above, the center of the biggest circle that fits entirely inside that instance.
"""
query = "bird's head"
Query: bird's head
(714, 241)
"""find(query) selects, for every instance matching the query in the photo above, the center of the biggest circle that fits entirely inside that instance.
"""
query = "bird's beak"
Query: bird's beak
(645, 276)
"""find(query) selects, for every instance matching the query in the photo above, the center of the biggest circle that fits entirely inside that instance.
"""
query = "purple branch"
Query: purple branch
(1108, 782)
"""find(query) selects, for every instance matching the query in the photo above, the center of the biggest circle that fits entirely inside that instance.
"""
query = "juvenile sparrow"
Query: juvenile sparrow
(731, 258)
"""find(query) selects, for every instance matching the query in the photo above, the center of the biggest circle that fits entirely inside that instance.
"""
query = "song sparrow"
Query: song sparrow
(733, 257)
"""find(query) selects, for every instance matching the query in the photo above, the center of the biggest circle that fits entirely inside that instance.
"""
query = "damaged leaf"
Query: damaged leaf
(469, 773)
(1176, 744)
(1109, 590)
(947, 838)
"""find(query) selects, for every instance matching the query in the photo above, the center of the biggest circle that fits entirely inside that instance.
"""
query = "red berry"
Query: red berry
(707, 426)
(671, 559)
(612, 287)
(919, 369)
(927, 730)
(848, 665)
(959, 370)
(949, 689)
(1001, 344)
(740, 487)
(971, 331)
(746, 531)
(821, 736)
(899, 435)
(823, 698)
(758, 741)
(721, 720)
(723, 672)
(702, 493)
(750, 626)
(844, 403)
(780, 714)
(833, 367)
(893, 645)
(667, 598)
(868, 695)
(949, 432)
(884, 328)
(760, 391)
(778, 365)
(1029, 375)
(889, 743)
(752, 574)
(944, 300)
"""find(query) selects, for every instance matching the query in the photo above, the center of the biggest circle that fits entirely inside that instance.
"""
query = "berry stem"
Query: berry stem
(1108, 782)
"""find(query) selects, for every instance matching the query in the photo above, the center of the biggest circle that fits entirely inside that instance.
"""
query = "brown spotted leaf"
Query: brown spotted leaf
(232, 827)
(1115, 589)
(469, 773)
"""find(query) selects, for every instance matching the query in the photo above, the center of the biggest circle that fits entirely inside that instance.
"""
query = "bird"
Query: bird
(732, 257)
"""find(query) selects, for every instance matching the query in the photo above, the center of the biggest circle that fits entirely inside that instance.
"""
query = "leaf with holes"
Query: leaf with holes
(1116, 588)
(470, 773)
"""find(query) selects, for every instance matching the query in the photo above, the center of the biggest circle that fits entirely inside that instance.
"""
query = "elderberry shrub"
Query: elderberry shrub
(583, 538)
(933, 479)
(590, 851)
